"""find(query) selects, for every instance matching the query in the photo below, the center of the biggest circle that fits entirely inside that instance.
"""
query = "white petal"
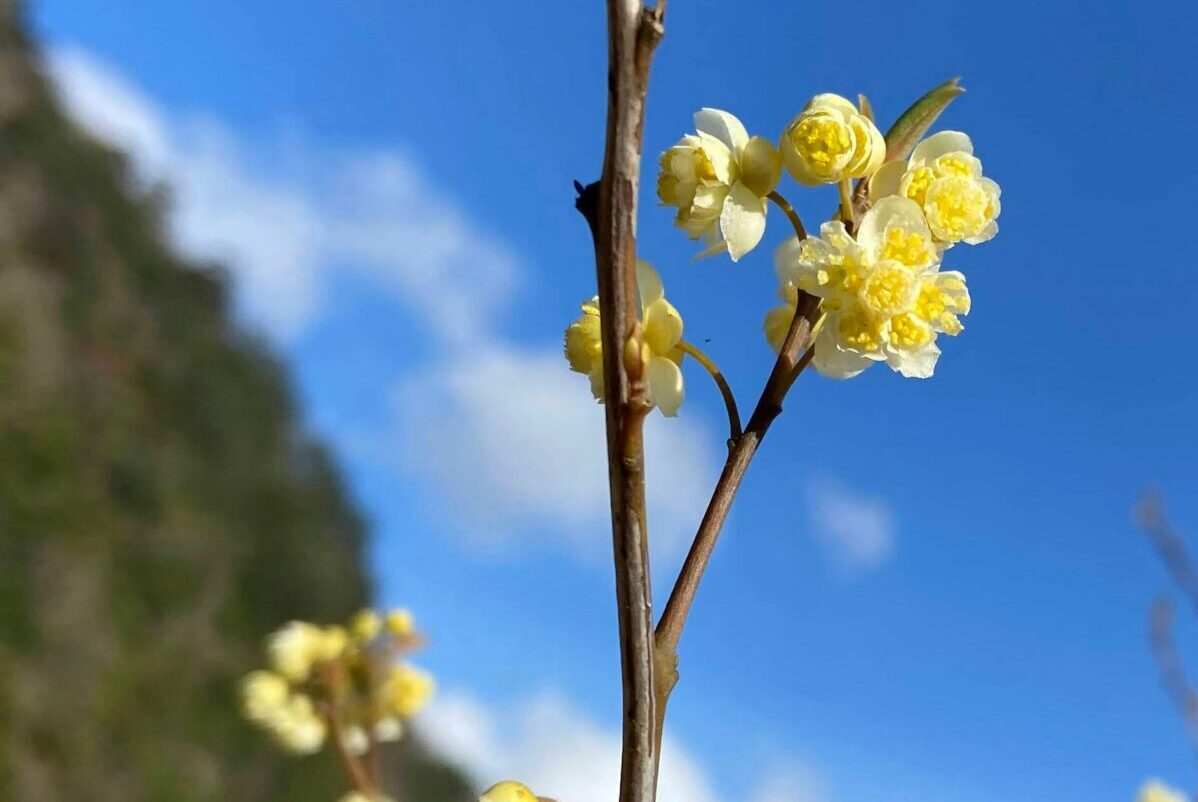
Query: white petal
(915, 364)
(890, 211)
(940, 144)
(648, 283)
(887, 179)
(663, 326)
(723, 162)
(723, 126)
(786, 259)
(665, 385)
(830, 100)
(833, 361)
(742, 222)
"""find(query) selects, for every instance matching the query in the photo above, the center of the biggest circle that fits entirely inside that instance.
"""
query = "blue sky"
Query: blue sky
(390, 184)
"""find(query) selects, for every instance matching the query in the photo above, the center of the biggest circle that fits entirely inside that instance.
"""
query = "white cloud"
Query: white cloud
(859, 531)
(560, 752)
(516, 443)
(790, 781)
(552, 746)
(284, 217)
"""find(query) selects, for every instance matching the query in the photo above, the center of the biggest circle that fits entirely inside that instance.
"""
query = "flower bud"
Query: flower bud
(831, 141)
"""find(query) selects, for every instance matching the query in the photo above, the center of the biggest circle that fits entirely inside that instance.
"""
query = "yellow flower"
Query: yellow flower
(297, 727)
(406, 690)
(388, 728)
(882, 293)
(331, 644)
(662, 331)
(355, 740)
(945, 179)
(365, 625)
(293, 650)
(718, 179)
(830, 141)
(1157, 791)
(263, 695)
(400, 623)
(508, 791)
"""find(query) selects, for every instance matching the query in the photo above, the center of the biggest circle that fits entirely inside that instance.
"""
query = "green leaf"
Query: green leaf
(866, 108)
(915, 121)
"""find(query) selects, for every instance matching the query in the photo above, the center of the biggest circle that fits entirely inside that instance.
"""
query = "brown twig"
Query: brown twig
(353, 768)
(610, 207)
(795, 354)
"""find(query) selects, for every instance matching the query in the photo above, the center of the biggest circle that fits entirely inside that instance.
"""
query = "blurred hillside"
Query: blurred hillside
(161, 509)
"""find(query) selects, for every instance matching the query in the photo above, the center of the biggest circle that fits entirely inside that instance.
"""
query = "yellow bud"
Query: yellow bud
(365, 625)
(760, 166)
(831, 140)
(407, 690)
(508, 791)
(400, 623)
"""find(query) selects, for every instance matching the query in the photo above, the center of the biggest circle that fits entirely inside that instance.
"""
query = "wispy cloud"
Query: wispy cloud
(516, 443)
(859, 531)
(285, 216)
(506, 438)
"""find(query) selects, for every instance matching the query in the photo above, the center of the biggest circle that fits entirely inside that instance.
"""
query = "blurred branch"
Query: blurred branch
(1170, 545)
(1164, 648)
(1174, 552)
(610, 208)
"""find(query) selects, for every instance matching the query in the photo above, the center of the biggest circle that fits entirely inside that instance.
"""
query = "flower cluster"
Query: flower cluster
(661, 337)
(875, 267)
(342, 680)
(883, 295)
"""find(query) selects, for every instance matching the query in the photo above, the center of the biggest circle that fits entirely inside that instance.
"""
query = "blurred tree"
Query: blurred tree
(161, 509)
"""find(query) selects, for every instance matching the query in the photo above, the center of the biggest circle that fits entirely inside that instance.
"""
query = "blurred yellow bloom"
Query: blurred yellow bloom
(508, 791)
(263, 695)
(718, 179)
(662, 331)
(400, 623)
(297, 727)
(293, 650)
(883, 295)
(1157, 791)
(406, 691)
(945, 179)
(366, 625)
(831, 140)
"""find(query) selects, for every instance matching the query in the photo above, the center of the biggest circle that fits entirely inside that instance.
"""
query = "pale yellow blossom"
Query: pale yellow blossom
(294, 648)
(718, 179)
(263, 695)
(945, 179)
(365, 625)
(661, 334)
(406, 690)
(883, 296)
(830, 141)
(401, 623)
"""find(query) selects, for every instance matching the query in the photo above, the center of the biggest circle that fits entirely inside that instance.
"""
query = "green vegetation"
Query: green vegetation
(161, 509)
